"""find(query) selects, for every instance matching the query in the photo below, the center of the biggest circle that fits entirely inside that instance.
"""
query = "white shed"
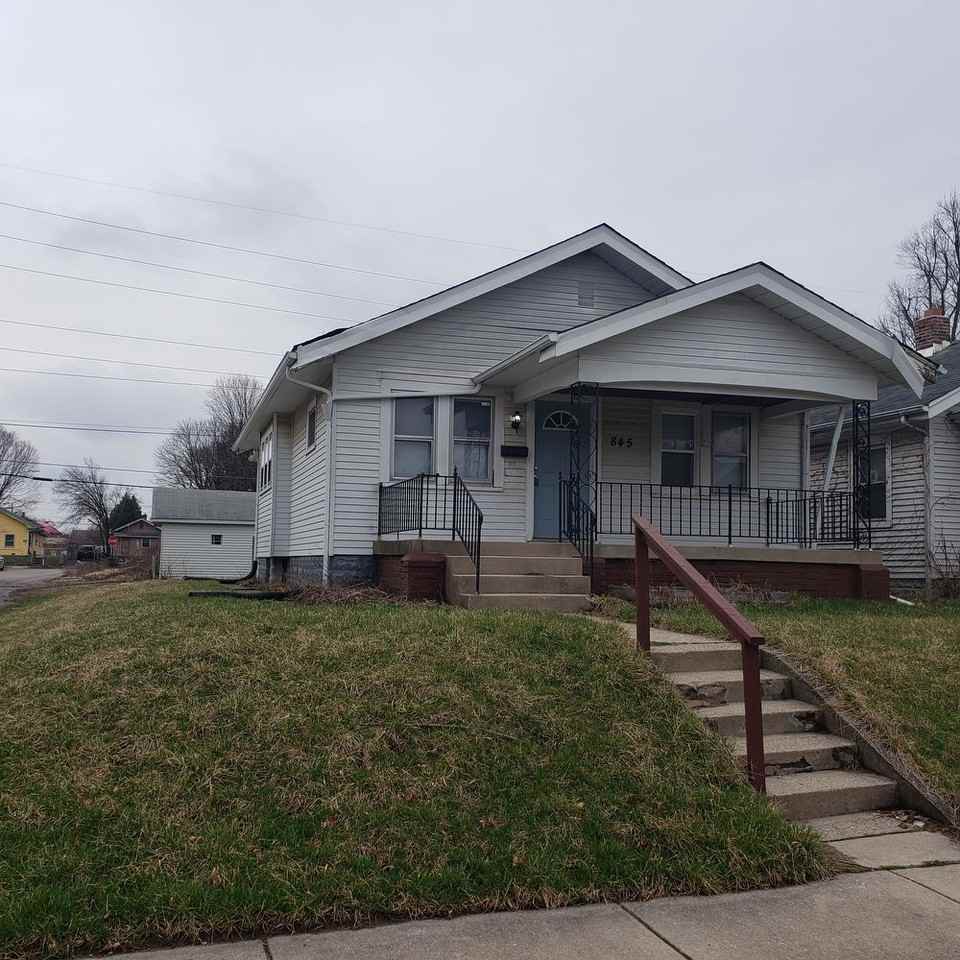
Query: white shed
(205, 533)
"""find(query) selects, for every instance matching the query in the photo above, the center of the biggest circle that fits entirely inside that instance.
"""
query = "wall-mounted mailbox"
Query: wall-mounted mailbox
(508, 451)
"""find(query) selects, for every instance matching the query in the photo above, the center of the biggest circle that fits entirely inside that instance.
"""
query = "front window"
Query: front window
(412, 436)
(877, 491)
(8, 540)
(731, 450)
(472, 425)
(677, 450)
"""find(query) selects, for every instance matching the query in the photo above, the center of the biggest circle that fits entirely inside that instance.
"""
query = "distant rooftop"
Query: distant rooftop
(175, 503)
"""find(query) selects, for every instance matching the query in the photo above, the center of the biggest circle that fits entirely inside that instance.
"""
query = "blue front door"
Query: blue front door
(556, 420)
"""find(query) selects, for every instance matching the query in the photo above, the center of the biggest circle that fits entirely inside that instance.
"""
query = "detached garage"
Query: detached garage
(204, 533)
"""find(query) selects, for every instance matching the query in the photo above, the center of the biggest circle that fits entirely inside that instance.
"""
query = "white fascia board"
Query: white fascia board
(539, 344)
(758, 274)
(487, 283)
(944, 403)
(207, 523)
(249, 436)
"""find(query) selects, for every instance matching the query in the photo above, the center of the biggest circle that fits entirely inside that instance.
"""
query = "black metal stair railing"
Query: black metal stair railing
(431, 502)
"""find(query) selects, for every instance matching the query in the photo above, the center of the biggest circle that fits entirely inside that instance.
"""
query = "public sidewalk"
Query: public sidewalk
(883, 915)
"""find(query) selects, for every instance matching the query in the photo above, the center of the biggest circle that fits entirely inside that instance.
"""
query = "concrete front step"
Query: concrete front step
(706, 688)
(555, 602)
(522, 583)
(521, 566)
(689, 657)
(779, 716)
(829, 793)
(504, 548)
(795, 753)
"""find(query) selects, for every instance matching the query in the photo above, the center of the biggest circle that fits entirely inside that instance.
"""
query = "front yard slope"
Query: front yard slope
(173, 770)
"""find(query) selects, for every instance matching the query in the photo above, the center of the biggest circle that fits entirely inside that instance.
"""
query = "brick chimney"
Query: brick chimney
(932, 331)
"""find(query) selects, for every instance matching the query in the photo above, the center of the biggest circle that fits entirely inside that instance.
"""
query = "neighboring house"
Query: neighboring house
(19, 535)
(565, 390)
(914, 443)
(204, 533)
(135, 539)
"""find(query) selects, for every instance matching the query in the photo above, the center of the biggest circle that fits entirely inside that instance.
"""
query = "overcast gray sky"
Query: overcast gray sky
(810, 135)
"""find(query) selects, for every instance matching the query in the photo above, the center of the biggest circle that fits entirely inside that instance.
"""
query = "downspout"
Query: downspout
(927, 492)
(328, 397)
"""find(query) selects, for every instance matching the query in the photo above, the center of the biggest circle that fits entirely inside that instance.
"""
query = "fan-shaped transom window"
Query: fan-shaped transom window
(561, 420)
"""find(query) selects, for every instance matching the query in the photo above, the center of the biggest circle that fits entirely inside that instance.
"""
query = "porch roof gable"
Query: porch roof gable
(758, 281)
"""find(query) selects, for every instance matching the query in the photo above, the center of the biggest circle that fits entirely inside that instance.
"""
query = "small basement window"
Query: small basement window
(216, 539)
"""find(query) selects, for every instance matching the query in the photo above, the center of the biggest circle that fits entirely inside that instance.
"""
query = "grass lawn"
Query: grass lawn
(176, 769)
(894, 666)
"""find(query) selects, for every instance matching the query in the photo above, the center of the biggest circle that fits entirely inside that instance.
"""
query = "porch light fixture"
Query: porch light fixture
(516, 420)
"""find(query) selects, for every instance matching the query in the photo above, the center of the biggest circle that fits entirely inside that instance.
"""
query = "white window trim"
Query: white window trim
(266, 443)
(314, 408)
(753, 453)
(492, 464)
(656, 438)
(392, 437)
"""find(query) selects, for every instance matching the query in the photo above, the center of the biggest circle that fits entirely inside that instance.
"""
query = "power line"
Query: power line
(198, 273)
(97, 376)
(173, 293)
(91, 428)
(130, 336)
(268, 210)
(220, 246)
(129, 363)
(95, 483)
(156, 473)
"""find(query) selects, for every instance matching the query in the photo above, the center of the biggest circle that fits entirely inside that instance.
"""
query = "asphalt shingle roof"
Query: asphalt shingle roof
(174, 503)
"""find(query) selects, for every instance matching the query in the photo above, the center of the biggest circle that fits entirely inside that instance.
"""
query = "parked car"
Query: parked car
(1, 563)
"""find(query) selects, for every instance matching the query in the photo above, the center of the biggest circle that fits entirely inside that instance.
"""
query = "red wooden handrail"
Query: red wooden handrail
(647, 537)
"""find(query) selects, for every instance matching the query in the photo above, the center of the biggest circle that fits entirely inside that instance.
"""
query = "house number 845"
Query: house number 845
(621, 441)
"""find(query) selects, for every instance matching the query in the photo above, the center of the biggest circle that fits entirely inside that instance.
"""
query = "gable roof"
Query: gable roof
(143, 520)
(202, 506)
(767, 286)
(621, 253)
(896, 399)
(31, 525)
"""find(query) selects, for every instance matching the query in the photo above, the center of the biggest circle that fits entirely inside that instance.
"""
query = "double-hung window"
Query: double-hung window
(266, 460)
(678, 449)
(877, 491)
(731, 450)
(8, 540)
(412, 436)
(472, 433)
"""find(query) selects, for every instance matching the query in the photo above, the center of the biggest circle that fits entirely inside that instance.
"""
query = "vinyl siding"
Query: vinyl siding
(732, 340)
(264, 521)
(186, 550)
(946, 496)
(901, 540)
(357, 451)
(308, 489)
(282, 462)
(781, 452)
(445, 351)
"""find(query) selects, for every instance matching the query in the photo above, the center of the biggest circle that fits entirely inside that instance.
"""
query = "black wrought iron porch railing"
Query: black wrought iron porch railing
(431, 502)
(578, 521)
(773, 515)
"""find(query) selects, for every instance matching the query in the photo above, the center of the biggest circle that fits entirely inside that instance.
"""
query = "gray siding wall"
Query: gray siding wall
(946, 496)
(450, 348)
(186, 550)
(733, 340)
(308, 490)
(781, 452)
(902, 538)
(282, 462)
(357, 474)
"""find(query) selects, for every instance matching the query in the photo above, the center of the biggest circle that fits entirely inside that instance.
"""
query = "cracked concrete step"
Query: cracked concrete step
(557, 602)
(871, 823)
(712, 687)
(825, 793)
(522, 583)
(555, 566)
(779, 716)
(689, 657)
(795, 753)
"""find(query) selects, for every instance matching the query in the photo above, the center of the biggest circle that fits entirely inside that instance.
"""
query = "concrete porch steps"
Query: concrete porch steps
(810, 772)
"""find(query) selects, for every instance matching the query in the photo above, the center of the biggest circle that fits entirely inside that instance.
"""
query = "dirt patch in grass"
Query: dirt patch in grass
(175, 770)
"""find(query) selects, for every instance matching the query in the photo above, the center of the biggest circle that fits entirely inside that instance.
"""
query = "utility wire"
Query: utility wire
(197, 273)
(84, 466)
(219, 246)
(268, 210)
(173, 293)
(95, 428)
(96, 483)
(130, 363)
(97, 376)
(130, 336)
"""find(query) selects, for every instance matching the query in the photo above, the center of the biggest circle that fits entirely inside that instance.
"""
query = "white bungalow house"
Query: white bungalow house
(515, 420)
(914, 448)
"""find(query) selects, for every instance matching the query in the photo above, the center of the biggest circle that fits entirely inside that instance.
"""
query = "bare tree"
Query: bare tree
(930, 258)
(199, 453)
(86, 497)
(18, 463)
